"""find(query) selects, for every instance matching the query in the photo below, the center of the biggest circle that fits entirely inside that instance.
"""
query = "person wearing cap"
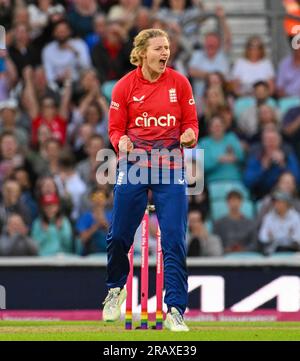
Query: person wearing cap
(280, 229)
(52, 232)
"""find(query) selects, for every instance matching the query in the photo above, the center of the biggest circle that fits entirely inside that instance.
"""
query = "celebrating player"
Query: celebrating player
(152, 108)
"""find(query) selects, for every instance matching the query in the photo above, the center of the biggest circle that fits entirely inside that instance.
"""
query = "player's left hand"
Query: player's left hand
(188, 138)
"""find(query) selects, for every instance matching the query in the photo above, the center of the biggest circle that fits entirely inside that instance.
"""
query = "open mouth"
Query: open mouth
(163, 62)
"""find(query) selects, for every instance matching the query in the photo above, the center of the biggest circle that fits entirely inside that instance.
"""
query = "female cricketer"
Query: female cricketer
(152, 108)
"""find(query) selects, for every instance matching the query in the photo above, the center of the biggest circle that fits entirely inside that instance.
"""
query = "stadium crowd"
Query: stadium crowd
(61, 62)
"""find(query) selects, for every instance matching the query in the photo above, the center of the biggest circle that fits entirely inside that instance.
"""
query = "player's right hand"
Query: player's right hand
(125, 144)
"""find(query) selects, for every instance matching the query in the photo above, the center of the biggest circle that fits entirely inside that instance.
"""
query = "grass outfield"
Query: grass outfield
(100, 331)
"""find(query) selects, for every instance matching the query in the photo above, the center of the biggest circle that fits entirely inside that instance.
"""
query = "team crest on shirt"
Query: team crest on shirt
(172, 95)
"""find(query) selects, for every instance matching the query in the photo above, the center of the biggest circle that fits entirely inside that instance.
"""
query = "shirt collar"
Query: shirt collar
(141, 77)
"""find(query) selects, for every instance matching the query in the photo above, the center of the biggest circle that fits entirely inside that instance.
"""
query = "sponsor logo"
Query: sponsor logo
(114, 105)
(139, 100)
(172, 95)
(163, 121)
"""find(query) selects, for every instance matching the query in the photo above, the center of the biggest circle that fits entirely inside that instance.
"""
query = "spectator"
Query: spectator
(200, 242)
(110, 57)
(92, 226)
(217, 79)
(182, 14)
(142, 21)
(22, 52)
(214, 100)
(124, 12)
(11, 202)
(69, 183)
(81, 137)
(209, 60)
(11, 156)
(8, 75)
(48, 113)
(288, 75)
(237, 232)
(254, 67)
(39, 15)
(56, 15)
(267, 161)
(52, 232)
(20, 14)
(280, 230)
(267, 118)
(22, 176)
(64, 55)
(92, 108)
(87, 169)
(81, 17)
(35, 79)
(46, 185)
(14, 240)
(223, 153)
(6, 15)
(248, 120)
(46, 160)
(291, 129)
(287, 184)
(227, 115)
(179, 55)
(8, 122)
(97, 35)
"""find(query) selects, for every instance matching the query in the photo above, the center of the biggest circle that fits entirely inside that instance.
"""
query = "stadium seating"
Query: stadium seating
(219, 209)
(287, 103)
(219, 190)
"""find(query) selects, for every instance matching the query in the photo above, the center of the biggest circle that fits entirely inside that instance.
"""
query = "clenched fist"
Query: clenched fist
(188, 138)
(125, 144)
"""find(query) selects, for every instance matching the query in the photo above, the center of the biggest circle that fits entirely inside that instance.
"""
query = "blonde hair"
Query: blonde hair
(140, 43)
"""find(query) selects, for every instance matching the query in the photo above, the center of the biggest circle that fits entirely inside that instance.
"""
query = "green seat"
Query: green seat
(107, 89)
(219, 190)
(242, 104)
(219, 209)
(285, 104)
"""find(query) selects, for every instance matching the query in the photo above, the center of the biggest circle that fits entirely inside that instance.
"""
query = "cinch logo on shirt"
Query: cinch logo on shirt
(163, 121)
(114, 105)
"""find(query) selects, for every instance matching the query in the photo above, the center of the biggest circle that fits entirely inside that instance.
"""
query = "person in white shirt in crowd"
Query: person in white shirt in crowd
(280, 229)
(70, 185)
(212, 58)
(39, 13)
(64, 54)
(253, 67)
